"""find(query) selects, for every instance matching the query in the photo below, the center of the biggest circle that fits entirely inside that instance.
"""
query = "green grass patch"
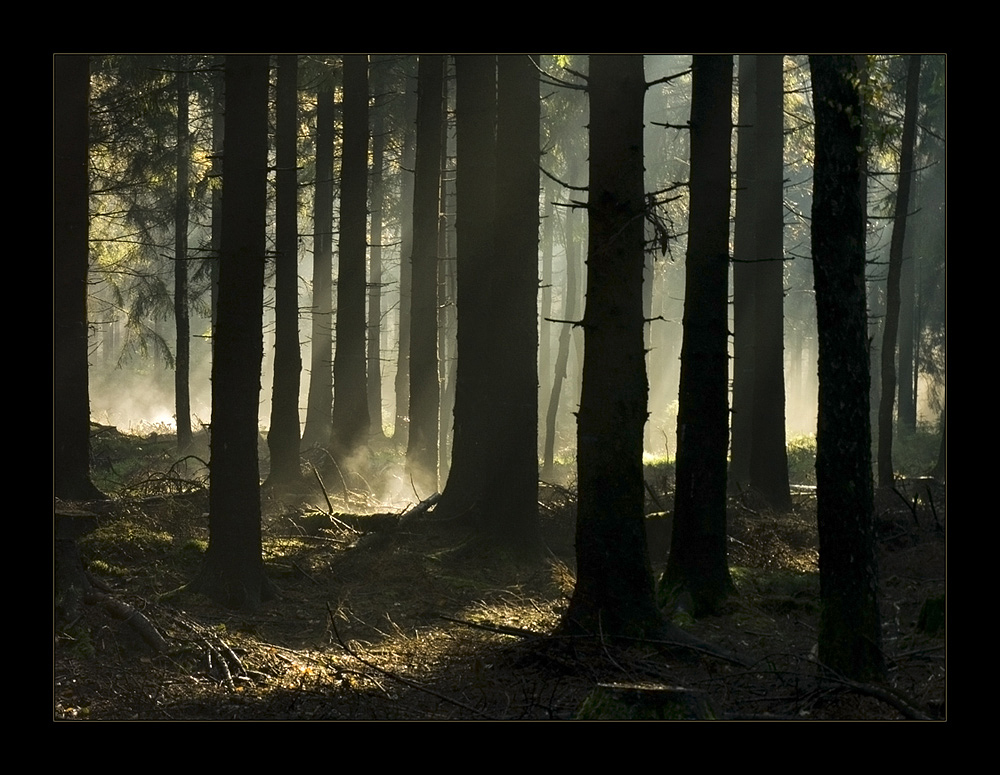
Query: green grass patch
(126, 541)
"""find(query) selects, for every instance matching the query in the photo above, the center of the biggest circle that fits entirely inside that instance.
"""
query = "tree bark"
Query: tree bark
(233, 573)
(422, 445)
(70, 211)
(401, 425)
(182, 361)
(614, 588)
(769, 461)
(350, 423)
(319, 405)
(475, 188)
(511, 508)
(892, 300)
(744, 272)
(698, 547)
(850, 633)
(570, 294)
(375, 284)
(283, 434)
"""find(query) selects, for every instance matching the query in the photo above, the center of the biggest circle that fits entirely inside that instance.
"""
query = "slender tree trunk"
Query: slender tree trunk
(283, 435)
(744, 272)
(698, 548)
(908, 355)
(545, 367)
(892, 302)
(401, 425)
(218, 132)
(422, 447)
(233, 573)
(570, 294)
(446, 320)
(182, 361)
(614, 588)
(850, 635)
(320, 401)
(375, 261)
(71, 231)
(769, 461)
(350, 421)
(941, 467)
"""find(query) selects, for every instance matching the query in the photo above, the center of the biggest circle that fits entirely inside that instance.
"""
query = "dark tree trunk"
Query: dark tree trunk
(375, 283)
(698, 547)
(233, 573)
(940, 471)
(545, 367)
(422, 447)
(493, 484)
(447, 323)
(891, 326)
(320, 401)
(769, 460)
(71, 429)
(475, 186)
(182, 361)
(850, 633)
(218, 131)
(569, 312)
(401, 425)
(614, 588)
(909, 373)
(350, 422)
(759, 456)
(744, 272)
(283, 435)
(511, 506)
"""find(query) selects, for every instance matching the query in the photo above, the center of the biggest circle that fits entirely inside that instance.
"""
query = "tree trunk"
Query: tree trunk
(350, 421)
(401, 425)
(492, 486)
(218, 132)
(511, 507)
(892, 303)
(475, 187)
(744, 272)
(769, 461)
(446, 319)
(320, 401)
(71, 424)
(569, 312)
(233, 573)
(698, 547)
(182, 361)
(614, 588)
(850, 633)
(375, 255)
(283, 435)
(422, 446)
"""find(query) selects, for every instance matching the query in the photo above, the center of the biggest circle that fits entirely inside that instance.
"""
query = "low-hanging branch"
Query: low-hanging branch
(668, 78)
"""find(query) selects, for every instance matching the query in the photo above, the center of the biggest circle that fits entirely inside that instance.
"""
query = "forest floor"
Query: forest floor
(380, 617)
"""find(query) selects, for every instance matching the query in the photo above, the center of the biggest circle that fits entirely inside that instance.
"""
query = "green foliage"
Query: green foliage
(103, 568)
(133, 170)
(914, 454)
(126, 541)
(802, 459)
